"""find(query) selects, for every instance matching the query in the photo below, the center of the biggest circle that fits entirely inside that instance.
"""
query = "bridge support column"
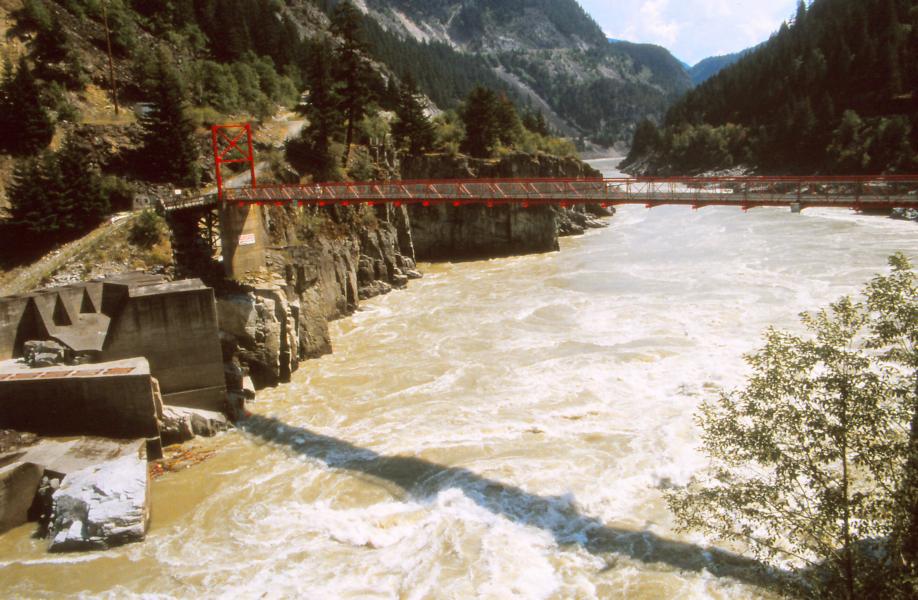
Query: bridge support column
(243, 238)
(796, 208)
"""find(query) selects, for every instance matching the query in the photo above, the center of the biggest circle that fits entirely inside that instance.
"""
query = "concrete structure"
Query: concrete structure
(242, 237)
(115, 400)
(18, 484)
(172, 324)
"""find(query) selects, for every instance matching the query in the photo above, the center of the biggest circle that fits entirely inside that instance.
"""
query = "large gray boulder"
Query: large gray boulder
(18, 483)
(103, 505)
(182, 424)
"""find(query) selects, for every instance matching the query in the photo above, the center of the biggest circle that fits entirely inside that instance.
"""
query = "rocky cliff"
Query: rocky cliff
(320, 263)
(319, 266)
(444, 232)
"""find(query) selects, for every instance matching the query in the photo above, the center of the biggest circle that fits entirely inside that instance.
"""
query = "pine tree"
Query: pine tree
(27, 127)
(87, 201)
(480, 116)
(351, 68)
(412, 130)
(169, 151)
(312, 152)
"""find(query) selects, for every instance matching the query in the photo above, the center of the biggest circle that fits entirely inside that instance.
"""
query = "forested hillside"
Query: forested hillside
(554, 49)
(82, 132)
(833, 91)
(713, 65)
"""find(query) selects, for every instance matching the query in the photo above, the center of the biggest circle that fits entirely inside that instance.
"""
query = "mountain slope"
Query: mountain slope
(713, 65)
(834, 91)
(554, 49)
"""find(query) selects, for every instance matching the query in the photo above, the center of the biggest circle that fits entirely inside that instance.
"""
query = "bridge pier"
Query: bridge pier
(243, 239)
(796, 208)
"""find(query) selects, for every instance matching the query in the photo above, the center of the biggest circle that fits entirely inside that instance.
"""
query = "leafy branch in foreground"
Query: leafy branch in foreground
(814, 463)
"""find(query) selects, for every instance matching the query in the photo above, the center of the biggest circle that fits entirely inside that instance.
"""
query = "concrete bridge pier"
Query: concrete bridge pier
(796, 208)
(243, 239)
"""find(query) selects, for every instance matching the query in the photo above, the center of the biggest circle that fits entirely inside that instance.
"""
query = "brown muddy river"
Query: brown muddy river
(503, 429)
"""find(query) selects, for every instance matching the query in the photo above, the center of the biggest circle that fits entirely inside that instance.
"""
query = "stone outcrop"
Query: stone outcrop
(19, 482)
(905, 214)
(319, 264)
(445, 232)
(183, 424)
(104, 505)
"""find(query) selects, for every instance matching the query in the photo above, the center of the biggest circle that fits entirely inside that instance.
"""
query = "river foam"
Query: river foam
(501, 430)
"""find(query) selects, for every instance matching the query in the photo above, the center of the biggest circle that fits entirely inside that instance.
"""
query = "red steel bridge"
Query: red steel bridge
(232, 144)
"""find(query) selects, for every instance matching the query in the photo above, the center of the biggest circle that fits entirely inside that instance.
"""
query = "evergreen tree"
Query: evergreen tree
(509, 126)
(27, 127)
(312, 151)
(87, 202)
(56, 195)
(413, 130)
(351, 68)
(480, 117)
(169, 151)
(535, 122)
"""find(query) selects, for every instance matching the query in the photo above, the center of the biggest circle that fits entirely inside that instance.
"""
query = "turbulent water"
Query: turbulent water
(503, 429)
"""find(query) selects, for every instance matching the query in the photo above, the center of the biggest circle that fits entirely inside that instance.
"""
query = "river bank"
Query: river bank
(483, 432)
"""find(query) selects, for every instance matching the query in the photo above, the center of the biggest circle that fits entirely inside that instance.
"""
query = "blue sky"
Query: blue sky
(691, 29)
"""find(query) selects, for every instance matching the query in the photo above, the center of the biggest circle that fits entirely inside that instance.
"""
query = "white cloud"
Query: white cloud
(691, 29)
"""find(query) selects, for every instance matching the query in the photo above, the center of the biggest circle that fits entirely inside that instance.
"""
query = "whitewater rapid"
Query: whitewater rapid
(503, 429)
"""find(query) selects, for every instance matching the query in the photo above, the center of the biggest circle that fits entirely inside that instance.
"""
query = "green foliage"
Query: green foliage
(169, 151)
(646, 140)
(535, 122)
(449, 131)
(413, 131)
(812, 462)
(22, 114)
(362, 167)
(120, 193)
(35, 14)
(147, 230)
(351, 68)
(490, 119)
(880, 144)
(795, 91)
(314, 151)
(58, 195)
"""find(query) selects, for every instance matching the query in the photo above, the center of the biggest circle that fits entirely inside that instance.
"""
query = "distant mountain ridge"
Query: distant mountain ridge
(713, 65)
(553, 52)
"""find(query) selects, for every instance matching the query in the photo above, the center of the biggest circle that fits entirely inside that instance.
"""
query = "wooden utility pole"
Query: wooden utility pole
(111, 62)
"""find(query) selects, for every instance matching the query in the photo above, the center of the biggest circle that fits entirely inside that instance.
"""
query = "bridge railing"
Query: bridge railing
(856, 192)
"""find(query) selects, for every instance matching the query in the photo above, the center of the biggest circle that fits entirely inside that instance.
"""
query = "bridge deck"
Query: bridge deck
(862, 193)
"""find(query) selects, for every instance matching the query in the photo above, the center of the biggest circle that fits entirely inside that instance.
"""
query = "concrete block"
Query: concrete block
(18, 484)
(110, 400)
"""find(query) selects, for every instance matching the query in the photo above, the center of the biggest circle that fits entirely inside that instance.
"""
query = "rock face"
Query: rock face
(319, 265)
(183, 424)
(905, 214)
(102, 506)
(45, 354)
(19, 482)
(443, 232)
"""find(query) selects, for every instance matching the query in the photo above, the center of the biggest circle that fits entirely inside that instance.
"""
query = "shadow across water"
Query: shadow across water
(422, 480)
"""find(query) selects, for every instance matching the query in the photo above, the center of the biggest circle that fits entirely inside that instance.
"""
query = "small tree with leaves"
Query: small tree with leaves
(812, 463)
